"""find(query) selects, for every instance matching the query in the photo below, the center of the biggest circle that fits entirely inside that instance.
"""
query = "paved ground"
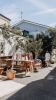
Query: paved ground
(7, 87)
(38, 86)
(31, 77)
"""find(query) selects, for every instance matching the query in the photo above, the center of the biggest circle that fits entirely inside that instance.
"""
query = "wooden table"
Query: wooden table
(27, 64)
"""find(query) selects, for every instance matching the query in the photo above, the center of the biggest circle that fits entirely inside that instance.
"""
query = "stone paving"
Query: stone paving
(37, 86)
(41, 74)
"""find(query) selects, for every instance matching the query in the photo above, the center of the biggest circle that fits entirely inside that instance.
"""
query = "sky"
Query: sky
(39, 11)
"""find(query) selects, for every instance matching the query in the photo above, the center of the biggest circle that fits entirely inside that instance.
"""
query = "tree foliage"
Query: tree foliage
(5, 31)
(46, 43)
(16, 31)
(52, 32)
(34, 46)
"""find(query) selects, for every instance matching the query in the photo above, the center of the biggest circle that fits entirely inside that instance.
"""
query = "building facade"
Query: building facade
(31, 27)
(4, 20)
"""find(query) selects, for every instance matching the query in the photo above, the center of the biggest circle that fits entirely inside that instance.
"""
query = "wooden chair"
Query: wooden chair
(5, 64)
(37, 64)
(1, 66)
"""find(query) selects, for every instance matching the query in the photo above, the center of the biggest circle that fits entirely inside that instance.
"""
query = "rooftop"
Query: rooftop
(30, 22)
(5, 17)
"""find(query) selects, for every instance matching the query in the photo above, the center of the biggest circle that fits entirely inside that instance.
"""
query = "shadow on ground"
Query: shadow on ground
(44, 89)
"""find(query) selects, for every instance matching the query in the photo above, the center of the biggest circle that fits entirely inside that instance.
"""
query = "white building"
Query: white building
(31, 27)
(4, 20)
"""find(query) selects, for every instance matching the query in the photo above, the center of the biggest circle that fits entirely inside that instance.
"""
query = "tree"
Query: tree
(46, 42)
(9, 31)
(16, 31)
(5, 31)
(52, 32)
(19, 43)
(34, 46)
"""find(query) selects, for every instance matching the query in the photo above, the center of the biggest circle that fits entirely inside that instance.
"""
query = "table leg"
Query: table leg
(31, 67)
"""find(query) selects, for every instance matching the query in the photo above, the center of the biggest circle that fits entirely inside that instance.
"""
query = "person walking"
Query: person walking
(47, 58)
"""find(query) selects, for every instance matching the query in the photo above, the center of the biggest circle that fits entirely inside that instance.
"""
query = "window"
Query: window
(25, 33)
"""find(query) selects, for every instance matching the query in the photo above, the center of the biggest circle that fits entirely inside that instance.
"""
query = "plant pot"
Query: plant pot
(11, 74)
(1, 70)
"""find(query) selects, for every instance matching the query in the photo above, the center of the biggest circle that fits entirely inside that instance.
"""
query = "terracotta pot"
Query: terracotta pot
(11, 74)
(1, 70)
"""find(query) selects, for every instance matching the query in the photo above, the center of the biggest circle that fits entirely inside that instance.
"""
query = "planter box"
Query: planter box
(11, 74)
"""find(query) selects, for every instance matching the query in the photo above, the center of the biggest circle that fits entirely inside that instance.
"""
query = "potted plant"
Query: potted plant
(11, 74)
(1, 70)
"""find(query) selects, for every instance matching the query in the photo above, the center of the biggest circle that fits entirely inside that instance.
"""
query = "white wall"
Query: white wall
(4, 21)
